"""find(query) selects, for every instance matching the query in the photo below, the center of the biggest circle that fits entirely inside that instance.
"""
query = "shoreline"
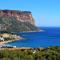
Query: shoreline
(9, 41)
(5, 42)
(31, 31)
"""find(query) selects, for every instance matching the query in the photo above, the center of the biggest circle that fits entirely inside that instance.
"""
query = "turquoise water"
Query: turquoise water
(48, 37)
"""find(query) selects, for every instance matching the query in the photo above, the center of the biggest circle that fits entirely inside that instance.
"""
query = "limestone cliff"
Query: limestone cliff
(23, 16)
(16, 21)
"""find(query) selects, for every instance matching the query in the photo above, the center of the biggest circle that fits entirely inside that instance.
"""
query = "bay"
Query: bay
(50, 36)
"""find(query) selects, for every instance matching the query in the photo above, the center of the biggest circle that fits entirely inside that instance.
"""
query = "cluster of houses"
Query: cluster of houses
(6, 35)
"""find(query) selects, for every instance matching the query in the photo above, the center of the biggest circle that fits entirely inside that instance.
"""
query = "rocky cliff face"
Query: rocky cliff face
(16, 21)
(23, 16)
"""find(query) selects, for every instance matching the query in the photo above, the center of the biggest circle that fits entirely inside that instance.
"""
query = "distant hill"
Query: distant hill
(16, 21)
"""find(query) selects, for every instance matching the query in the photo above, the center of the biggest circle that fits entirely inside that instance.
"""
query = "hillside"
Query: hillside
(16, 21)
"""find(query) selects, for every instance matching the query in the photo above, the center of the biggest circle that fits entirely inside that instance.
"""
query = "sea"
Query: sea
(49, 36)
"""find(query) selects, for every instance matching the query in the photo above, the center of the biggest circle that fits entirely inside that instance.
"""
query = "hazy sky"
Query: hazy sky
(45, 12)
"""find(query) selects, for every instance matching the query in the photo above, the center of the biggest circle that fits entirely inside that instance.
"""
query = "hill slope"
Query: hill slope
(12, 24)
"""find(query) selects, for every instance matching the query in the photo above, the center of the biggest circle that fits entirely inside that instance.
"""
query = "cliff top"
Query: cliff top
(17, 11)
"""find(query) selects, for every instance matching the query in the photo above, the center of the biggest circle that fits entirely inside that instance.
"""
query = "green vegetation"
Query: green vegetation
(51, 53)
(11, 24)
(7, 39)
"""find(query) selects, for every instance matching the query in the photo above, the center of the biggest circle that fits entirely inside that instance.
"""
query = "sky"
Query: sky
(45, 12)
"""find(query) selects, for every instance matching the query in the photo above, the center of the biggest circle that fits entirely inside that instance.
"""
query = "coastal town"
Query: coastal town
(8, 37)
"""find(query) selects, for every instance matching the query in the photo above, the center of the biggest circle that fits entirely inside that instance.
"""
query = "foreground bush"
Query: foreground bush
(51, 53)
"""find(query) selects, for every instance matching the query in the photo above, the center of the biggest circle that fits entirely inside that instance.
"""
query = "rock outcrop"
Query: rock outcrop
(23, 16)
(16, 21)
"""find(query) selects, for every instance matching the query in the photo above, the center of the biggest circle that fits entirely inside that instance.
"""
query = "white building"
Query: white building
(1, 39)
